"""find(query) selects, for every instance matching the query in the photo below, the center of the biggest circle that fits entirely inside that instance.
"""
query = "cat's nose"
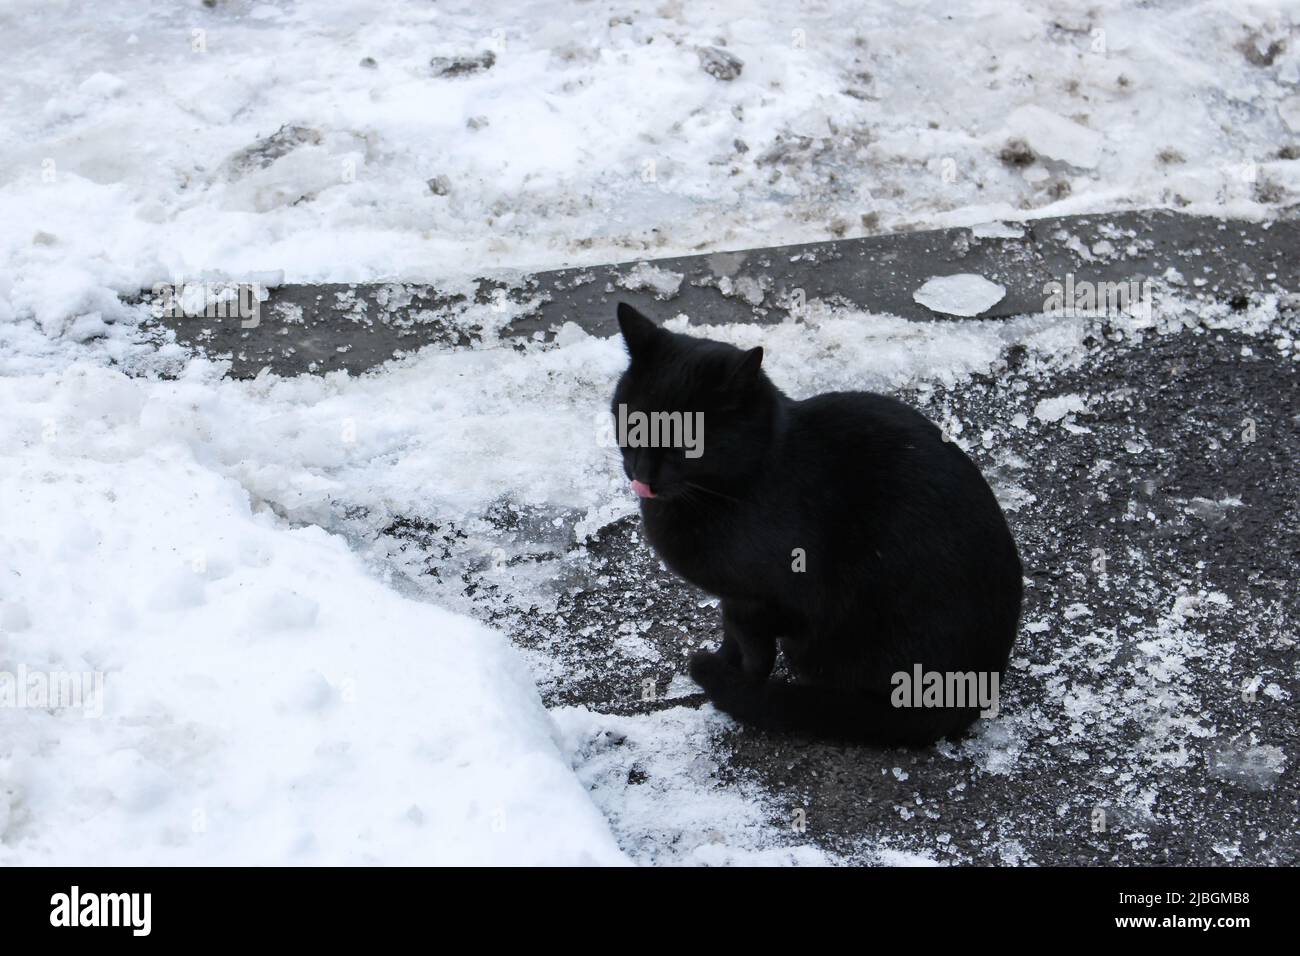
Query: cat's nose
(642, 468)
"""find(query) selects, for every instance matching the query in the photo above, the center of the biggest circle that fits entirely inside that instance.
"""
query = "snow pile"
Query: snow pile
(349, 141)
(259, 696)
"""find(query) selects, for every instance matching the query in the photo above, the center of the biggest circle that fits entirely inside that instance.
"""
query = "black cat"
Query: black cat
(843, 527)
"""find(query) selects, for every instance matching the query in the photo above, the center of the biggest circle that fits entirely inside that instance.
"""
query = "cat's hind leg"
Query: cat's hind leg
(728, 651)
(748, 641)
(754, 628)
(821, 711)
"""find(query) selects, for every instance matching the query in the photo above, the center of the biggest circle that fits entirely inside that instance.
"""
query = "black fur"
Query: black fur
(909, 559)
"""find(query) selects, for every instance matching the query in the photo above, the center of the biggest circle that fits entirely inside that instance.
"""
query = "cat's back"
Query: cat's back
(861, 446)
(860, 423)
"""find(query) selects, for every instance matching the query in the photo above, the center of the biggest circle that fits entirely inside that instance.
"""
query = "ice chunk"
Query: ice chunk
(1055, 409)
(643, 277)
(964, 294)
(997, 230)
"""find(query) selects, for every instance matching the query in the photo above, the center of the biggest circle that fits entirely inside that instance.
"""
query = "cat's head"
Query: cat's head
(691, 416)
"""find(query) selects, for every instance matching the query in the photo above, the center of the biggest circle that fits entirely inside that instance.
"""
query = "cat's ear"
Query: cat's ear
(745, 372)
(638, 332)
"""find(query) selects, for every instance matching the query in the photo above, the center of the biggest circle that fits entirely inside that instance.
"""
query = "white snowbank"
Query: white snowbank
(595, 135)
(265, 698)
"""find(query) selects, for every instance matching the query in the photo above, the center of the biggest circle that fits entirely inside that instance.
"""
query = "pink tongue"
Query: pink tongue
(642, 489)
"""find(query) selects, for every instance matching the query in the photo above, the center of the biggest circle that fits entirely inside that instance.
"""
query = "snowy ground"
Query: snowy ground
(136, 148)
(234, 555)
(271, 576)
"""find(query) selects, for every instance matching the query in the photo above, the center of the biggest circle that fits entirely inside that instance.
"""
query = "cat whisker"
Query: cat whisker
(710, 491)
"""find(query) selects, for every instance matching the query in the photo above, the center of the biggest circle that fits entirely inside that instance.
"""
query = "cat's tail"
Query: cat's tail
(823, 712)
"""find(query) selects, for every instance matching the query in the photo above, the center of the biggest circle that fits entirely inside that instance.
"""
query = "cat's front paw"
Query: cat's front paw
(711, 670)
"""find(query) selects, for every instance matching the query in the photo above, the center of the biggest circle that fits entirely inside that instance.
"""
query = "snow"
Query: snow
(963, 294)
(1056, 408)
(1289, 110)
(633, 768)
(280, 136)
(264, 697)
(997, 230)
(1055, 137)
(643, 277)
